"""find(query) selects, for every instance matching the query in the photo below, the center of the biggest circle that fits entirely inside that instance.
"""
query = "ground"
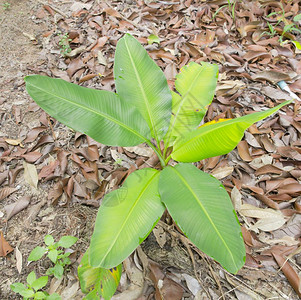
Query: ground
(264, 171)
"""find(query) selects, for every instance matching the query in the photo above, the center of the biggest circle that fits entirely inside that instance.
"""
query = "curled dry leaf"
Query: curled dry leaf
(48, 169)
(5, 247)
(289, 272)
(14, 208)
(14, 142)
(266, 169)
(33, 134)
(6, 191)
(243, 151)
(45, 139)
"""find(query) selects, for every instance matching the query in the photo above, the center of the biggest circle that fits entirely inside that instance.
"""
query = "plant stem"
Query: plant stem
(167, 159)
(158, 152)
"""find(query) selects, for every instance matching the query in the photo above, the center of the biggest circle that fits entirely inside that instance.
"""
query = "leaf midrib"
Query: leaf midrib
(116, 121)
(229, 122)
(145, 99)
(205, 212)
(128, 215)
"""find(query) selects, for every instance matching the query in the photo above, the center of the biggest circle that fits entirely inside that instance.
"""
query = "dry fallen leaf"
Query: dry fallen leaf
(18, 260)
(291, 275)
(32, 157)
(269, 219)
(14, 142)
(6, 191)
(5, 247)
(14, 208)
(30, 174)
(141, 150)
(236, 198)
(222, 172)
(273, 76)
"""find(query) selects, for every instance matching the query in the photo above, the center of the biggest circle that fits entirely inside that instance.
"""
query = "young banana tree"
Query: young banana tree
(144, 110)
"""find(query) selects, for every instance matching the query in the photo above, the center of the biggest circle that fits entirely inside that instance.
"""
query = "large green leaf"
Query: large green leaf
(141, 82)
(100, 114)
(201, 207)
(125, 218)
(98, 282)
(216, 139)
(196, 84)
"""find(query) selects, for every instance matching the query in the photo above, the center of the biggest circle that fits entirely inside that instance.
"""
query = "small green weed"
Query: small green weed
(57, 256)
(32, 289)
(289, 26)
(231, 6)
(64, 43)
(6, 5)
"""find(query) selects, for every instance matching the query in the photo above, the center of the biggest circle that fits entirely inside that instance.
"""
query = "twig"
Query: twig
(212, 273)
(186, 243)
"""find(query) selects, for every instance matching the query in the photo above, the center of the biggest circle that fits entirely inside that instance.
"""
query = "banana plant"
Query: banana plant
(145, 110)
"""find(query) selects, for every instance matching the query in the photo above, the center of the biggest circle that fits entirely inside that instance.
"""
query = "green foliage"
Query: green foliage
(145, 110)
(231, 7)
(96, 282)
(64, 43)
(32, 289)
(6, 5)
(56, 255)
(288, 26)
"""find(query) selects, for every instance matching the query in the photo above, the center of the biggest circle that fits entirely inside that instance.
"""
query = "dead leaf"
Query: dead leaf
(6, 191)
(5, 247)
(18, 260)
(266, 200)
(87, 77)
(289, 152)
(14, 142)
(273, 76)
(14, 208)
(30, 174)
(48, 170)
(222, 172)
(45, 139)
(140, 150)
(32, 157)
(269, 219)
(266, 169)
(252, 141)
(3, 176)
(243, 151)
(192, 284)
(289, 272)
(236, 198)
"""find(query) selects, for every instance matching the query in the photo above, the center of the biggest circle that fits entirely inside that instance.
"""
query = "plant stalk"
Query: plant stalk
(158, 152)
